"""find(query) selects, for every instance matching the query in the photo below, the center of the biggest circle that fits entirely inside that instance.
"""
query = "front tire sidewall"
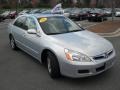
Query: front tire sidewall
(49, 65)
(53, 66)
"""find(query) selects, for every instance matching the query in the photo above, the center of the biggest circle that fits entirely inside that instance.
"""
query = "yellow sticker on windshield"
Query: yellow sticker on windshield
(42, 20)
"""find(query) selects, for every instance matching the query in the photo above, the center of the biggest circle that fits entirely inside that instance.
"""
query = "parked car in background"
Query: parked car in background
(39, 11)
(117, 13)
(5, 15)
(36, 11)
(46, 12)
(59, 12)
(63, 46)
(97, 15)
(33, 11)
(1, 18)
(12, 14)
(108, 12)
(67, 12)
(24, 12)
(78, 14)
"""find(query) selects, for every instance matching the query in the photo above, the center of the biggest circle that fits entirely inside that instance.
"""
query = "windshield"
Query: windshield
(58, 25)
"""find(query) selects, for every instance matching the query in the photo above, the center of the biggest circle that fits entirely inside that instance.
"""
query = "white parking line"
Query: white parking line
(112, 34)
(91, 25)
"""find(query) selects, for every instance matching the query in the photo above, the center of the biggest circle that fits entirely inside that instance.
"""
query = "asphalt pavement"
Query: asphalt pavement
(19, 71)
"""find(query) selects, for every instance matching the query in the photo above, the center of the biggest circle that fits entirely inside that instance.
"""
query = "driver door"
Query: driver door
(32, 41)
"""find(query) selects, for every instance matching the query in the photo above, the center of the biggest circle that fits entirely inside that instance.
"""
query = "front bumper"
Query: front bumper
(77, 70)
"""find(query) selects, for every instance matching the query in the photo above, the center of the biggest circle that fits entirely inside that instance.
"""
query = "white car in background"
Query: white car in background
(117, 14)
(23, 12)
(58, 12)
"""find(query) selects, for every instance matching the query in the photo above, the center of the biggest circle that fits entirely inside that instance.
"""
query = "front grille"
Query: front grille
(109, 53)
(103, 56)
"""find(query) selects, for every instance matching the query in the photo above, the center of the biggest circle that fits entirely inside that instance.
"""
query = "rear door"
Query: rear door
(19, 31)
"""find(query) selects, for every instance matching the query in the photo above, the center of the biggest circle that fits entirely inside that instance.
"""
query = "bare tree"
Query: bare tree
(87, 2)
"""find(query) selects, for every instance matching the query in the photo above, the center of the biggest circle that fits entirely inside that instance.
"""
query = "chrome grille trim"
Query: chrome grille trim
(104, 55)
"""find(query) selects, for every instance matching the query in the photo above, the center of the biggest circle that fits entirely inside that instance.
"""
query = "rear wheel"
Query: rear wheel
(53, 66)
(12, 43)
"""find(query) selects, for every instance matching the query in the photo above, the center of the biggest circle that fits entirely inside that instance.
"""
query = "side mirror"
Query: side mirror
(31, 31)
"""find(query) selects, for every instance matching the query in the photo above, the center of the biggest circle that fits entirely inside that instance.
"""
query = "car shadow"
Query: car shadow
(91, 80)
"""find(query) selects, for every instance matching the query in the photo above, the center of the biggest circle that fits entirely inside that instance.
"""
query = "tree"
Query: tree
(87, 2)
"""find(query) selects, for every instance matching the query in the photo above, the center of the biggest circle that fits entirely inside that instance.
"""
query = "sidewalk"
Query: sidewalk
(105, 27)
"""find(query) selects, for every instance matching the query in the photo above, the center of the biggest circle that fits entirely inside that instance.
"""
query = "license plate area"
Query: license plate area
(109, 63)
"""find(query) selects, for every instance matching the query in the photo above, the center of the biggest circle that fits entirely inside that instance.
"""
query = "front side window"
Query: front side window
(31, 24)
(58, 25)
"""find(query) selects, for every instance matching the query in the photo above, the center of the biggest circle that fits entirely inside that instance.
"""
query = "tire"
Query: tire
(12, 43)
(53, 65)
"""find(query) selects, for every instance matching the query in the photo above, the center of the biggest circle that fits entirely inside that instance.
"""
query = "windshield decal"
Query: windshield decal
(42, 20)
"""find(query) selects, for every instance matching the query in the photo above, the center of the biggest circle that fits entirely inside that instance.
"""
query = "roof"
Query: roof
(44, 15)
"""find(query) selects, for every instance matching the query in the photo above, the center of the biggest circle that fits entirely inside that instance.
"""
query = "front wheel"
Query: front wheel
(53, 66)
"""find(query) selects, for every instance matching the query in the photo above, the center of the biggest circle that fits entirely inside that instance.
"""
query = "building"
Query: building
(36, 3)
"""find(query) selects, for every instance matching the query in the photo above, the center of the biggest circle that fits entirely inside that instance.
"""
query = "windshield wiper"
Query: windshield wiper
(65, 32)
(53, 33)
(75, 30)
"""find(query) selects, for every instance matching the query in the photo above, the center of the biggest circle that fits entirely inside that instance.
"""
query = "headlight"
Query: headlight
(76, 56)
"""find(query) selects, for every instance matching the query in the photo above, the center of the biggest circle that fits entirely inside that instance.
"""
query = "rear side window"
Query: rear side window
(20, 22)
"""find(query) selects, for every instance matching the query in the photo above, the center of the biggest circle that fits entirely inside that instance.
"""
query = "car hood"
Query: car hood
(85, 42)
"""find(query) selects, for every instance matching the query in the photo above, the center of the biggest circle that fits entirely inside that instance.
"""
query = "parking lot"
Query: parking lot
(87, 24)
(19, 71)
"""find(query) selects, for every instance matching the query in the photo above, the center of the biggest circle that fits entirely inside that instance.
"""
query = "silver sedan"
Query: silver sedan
(63, 46)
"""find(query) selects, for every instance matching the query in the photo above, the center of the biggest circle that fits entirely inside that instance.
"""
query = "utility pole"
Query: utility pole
(113, 10)
(18, 3)
(16, 6)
